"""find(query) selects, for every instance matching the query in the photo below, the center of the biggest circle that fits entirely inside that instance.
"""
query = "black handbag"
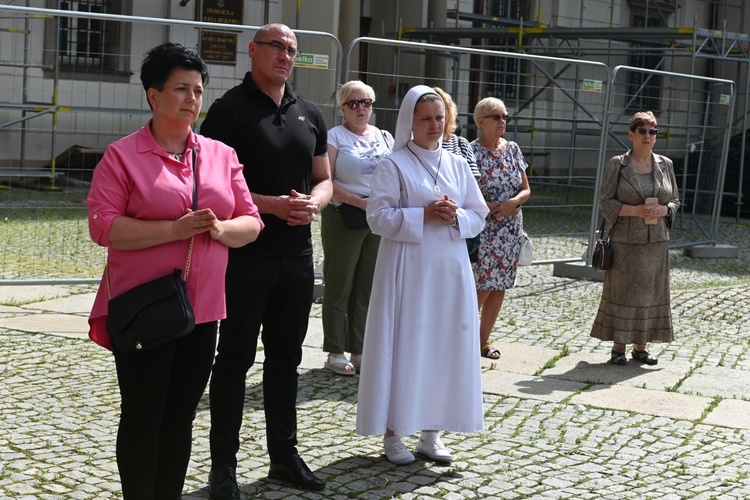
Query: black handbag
(150, 314)
(156, 312)
(472, 245)
(354, 217)
(603, 254)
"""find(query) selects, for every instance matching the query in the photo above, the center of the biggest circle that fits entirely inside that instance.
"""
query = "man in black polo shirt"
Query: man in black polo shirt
(281, 139)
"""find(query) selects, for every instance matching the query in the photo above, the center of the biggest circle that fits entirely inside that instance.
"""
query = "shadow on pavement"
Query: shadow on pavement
(352, 477)
(604, 373)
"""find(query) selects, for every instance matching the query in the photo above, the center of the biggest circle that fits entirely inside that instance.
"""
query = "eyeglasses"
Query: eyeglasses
(652, 131)
(278, 48)
(354, 104)
(497, 118)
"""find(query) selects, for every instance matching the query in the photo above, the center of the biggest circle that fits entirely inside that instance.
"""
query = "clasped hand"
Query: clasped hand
(200, 221)
(652, 211)
(299, 209)
(507, 208)
(445, 210)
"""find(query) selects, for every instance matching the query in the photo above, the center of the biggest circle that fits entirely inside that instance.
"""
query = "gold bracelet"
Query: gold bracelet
(347, 198)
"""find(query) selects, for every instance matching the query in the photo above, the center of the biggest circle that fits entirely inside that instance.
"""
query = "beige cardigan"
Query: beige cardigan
(616, 192)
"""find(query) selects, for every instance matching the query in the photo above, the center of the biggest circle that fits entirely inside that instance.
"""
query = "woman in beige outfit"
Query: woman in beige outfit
(639, 200)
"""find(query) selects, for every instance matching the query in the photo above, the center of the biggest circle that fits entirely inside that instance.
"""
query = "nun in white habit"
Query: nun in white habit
(420, 363)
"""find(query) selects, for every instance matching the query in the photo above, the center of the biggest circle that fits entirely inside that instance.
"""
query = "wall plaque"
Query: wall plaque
(220, 11)
(218, 47)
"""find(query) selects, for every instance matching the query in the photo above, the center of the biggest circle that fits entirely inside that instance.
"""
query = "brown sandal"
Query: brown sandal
(489, 351)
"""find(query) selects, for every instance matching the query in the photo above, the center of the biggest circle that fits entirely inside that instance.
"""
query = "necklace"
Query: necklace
(434, 177)
(177, 156)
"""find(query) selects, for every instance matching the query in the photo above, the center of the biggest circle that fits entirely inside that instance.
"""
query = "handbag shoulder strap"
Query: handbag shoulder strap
(604, 220)
(195, 207)
(601, 229)
(195, 179)
(192, 238)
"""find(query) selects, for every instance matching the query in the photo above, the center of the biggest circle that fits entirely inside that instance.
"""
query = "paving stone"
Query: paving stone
(583, 367)
(712, 381)
(69, 325)
(730, 413)
(519, 385)
(667, 404)
(519, 358)
(582, 429)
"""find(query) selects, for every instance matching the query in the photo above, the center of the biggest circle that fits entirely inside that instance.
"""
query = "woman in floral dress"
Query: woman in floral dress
(505, 188)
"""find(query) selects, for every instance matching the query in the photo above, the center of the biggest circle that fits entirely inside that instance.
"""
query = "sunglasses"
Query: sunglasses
(354, 104)
(652, 131)
(497, 118)
(278, 48)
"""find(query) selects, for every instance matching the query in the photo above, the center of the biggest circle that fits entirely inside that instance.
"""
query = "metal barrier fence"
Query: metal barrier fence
(557, 107)
(56, 121)
(568, 118)
(694, 131)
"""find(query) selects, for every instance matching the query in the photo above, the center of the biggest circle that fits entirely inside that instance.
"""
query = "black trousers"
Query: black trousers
(160, 391)
(275, 294)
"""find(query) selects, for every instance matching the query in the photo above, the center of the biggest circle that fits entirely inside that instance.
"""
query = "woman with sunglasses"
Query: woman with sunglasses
(350, 248)
(639, 200)
(505, 188)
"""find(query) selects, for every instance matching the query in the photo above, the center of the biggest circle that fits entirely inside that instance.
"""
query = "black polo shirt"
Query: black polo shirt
(276, 145)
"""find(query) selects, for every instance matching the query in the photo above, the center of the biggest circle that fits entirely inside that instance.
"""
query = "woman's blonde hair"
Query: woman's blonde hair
(640, 118)
(351, 87)
(485, 106)
(451, 112)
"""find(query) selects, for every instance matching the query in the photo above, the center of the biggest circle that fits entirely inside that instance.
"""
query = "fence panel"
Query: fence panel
(568, 116)
(65, 98)
(694, 114)
(557, 107)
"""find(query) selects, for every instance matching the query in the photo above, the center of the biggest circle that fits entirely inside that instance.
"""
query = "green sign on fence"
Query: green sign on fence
(319, 61)
(592, 85)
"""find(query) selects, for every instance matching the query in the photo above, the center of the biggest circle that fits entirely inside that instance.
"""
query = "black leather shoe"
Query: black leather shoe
(644, 357)
(222, 484)
(618, 358)
(294, 470)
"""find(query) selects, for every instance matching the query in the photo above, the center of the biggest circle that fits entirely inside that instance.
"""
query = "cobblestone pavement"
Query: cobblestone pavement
(560, 422)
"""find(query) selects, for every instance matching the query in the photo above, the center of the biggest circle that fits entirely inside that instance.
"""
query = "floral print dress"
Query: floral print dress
(500, 179)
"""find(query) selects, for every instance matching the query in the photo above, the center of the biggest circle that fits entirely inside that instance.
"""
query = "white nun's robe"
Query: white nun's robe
(421, 361)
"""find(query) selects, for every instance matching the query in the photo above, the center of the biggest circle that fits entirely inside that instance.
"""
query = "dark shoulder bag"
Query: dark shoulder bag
(156, 312)
(603, 254)
(354, 217)
(472, 245)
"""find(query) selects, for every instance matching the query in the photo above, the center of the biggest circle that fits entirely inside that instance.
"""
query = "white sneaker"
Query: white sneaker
(397, 452)
(434, 451)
